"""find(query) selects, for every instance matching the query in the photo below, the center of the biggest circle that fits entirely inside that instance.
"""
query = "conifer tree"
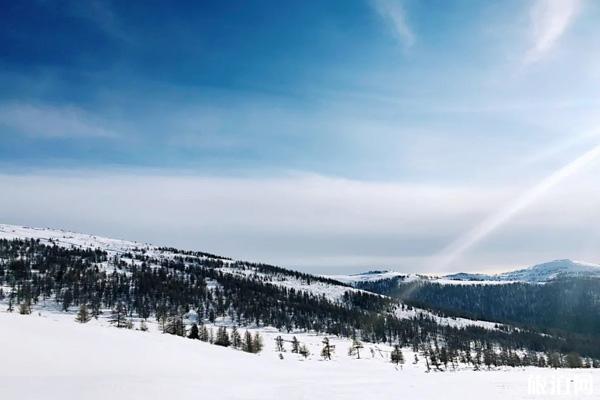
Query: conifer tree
(194, 333)
(396, 355)
(279, 344)
(295, 345)
(222, 338)
(236, 339)
(328, 349)
(175, 326)
(24, 308)
(83, 315)
(573, 360)
(554, 360)
(354, 348)
(203, 334)
(143, 326)
(303, 351)
(118, 316)
(257, 343)
(247, 343)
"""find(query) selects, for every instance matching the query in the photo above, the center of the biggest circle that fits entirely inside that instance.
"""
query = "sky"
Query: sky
(329, 137)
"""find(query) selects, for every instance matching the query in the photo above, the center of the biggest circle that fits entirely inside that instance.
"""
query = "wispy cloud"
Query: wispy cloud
(550, 19)
(393, 11)
(51, 121)
(307, 221)
(102, 15)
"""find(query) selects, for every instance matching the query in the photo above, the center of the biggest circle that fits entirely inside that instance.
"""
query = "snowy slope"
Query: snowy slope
(374, 276)
(70, 239)
(55, 359)
(118, 247)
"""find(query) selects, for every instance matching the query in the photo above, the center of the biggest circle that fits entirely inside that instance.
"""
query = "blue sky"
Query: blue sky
(385, 132)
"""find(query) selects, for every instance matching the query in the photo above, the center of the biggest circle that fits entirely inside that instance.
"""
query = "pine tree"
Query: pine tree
(194, 333)
(396, 355)
(247, 343)
(83, 316)
(175, 326)
(24, 308)
(203, 334)
(295, 345)
(554, 360)
(303, 351)
(354, 348)
(143, 326)
(328, 349)
(236, 339)
(279, 344)
(444, 357)
(222, 338)
(257, 343)
(573, 360)
(118, 316)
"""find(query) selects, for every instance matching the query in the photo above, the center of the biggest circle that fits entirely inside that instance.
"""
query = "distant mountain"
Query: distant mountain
(540, 273)
(551, 270)
(374, 276)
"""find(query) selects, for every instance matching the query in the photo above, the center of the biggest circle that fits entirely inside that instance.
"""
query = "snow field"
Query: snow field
(51, 357)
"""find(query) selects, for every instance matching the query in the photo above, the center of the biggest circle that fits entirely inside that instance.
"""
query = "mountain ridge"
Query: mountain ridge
(538, 273)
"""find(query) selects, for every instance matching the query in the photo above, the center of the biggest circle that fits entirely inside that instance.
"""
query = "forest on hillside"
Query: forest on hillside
(165, 288)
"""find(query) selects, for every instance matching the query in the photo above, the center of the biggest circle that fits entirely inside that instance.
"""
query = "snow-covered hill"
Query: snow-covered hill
(71, 239)
(552, 270)
(52, 358)
(122, 248)
(539, 273)
(127, 251)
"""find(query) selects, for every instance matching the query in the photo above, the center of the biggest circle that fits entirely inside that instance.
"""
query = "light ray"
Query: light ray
(451, 253)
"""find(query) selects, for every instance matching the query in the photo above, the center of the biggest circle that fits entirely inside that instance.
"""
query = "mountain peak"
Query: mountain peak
(552, 269)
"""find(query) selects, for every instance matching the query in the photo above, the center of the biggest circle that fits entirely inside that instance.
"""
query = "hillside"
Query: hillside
(45, 270)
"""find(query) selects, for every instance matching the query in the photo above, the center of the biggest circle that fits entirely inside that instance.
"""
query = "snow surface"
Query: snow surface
(49, 357)
(70, 239)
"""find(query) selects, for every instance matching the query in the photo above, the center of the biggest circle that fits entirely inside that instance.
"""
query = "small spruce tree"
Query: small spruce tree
(83, 315)
(194, 332)
(236, 339)
(396, 355)
(257, 343)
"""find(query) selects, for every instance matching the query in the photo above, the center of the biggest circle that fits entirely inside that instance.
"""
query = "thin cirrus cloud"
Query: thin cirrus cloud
(310, 222)
(550, 19)
(51, 121)
(394, 13)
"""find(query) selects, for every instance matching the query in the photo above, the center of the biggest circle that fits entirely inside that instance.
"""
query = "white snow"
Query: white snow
(70, 239)
(52, 358)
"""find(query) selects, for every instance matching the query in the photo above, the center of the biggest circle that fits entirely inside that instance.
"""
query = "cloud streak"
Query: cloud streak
(51, 122)
(395, 14)
(311, 222)
(550, 19)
